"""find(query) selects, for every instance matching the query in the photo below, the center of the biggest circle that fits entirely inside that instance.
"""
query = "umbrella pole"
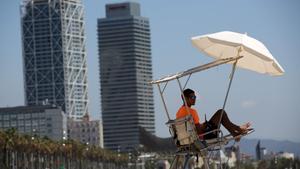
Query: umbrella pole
(222, 112)
(227, 93)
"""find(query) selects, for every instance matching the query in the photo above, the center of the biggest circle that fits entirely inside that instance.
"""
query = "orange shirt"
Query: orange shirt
(183, 112)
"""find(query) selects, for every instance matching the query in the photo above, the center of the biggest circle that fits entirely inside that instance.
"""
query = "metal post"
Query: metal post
(186, 160)
(205, 161)
(227, 93)
(228, 89)
(185, 103)
(187, 81)
(163, 100)
(174, 162)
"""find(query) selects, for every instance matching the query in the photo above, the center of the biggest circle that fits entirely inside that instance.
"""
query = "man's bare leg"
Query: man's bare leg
(231, 127)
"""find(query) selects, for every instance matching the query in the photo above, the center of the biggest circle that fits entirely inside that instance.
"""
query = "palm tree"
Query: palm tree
(9, 138)
(25, 151)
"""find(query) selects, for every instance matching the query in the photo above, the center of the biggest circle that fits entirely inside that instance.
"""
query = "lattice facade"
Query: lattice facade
(54, 54)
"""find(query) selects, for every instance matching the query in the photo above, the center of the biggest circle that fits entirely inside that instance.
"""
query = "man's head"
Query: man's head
(190, 97)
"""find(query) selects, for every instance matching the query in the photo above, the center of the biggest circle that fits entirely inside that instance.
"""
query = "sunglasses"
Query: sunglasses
(193, 97)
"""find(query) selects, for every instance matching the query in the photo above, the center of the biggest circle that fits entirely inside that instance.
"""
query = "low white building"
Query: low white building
(44, 120)
(86, 131)
(286, 155)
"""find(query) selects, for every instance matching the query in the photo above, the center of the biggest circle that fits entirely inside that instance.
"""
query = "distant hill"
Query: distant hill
(157, 144)
(248, 146)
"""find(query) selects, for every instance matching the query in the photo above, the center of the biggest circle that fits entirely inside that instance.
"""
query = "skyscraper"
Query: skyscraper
(125, 73)
(258, 151)
(54, 54)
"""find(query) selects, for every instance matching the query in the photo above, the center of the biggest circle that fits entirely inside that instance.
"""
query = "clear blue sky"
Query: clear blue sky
(270, 103)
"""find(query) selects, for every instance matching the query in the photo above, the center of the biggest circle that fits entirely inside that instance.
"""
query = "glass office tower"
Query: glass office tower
(125, 73)
(54, 55)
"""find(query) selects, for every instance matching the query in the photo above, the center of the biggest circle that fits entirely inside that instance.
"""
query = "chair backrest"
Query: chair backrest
(184, 130)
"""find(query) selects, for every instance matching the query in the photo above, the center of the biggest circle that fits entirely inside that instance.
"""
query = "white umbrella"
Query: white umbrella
(256, 56)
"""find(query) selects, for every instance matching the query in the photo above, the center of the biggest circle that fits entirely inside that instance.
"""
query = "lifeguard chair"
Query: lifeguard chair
(226, 47)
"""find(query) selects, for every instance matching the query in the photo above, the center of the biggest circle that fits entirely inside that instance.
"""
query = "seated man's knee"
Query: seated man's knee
(220, 111)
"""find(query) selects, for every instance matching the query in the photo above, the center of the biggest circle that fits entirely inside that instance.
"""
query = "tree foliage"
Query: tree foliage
(26, 151)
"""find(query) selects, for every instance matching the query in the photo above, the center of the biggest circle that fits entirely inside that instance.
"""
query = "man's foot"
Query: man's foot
(243, 129)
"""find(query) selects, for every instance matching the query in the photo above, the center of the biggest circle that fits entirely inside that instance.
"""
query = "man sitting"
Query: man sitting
(212, 124)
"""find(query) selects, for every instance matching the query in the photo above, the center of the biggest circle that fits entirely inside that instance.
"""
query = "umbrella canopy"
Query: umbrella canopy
(256, 56)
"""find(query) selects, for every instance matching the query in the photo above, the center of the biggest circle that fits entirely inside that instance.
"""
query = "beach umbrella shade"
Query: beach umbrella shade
(255, 56)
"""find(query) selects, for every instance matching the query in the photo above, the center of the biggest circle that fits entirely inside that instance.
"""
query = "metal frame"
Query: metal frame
(188, 73)
(196, 69)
